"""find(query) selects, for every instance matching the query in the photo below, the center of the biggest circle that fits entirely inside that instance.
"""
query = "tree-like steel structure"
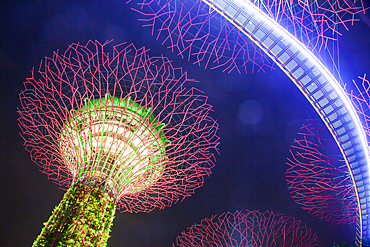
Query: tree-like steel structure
(116, 129)
(250, 228)
(195, 32)
(318, 178)
(359, 93)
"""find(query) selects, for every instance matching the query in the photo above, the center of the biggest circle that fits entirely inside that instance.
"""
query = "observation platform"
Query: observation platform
(318, 85)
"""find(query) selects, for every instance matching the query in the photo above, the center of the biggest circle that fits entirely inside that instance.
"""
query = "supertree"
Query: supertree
(317, 176)
(250, 228)
(115, 129)
(195, 31)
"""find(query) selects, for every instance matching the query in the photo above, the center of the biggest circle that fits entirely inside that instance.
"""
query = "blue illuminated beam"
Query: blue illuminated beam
(318, 85)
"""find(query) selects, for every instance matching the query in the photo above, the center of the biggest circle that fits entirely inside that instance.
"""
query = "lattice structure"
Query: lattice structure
(318, 178)
(252, 228)
(195, 32)
(359, 93)
(314, 23)
(119, 122)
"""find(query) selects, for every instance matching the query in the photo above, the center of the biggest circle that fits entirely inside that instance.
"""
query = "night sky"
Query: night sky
(250, 170)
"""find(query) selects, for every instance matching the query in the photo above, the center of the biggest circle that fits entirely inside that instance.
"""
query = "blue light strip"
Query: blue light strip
(318, 85)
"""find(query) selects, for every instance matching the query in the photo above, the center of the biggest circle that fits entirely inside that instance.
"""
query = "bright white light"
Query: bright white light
(116, 145)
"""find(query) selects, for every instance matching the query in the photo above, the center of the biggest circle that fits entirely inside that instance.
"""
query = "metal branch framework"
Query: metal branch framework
(119, 121)
(314, 23)
(194, 31)
(252, 228)
(359, 93)
(318, 178)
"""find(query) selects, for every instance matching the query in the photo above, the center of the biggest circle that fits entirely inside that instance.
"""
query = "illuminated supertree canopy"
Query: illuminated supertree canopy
(193, 30)
(318, 178)
(117, 129)
(250, 228)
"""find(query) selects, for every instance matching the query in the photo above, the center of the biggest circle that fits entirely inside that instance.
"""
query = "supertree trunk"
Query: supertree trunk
(83, 218)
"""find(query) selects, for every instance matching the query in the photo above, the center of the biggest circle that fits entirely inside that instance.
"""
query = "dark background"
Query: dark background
(250, 170)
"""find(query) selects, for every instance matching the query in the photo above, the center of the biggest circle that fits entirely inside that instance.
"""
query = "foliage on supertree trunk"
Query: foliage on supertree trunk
(83, 218)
